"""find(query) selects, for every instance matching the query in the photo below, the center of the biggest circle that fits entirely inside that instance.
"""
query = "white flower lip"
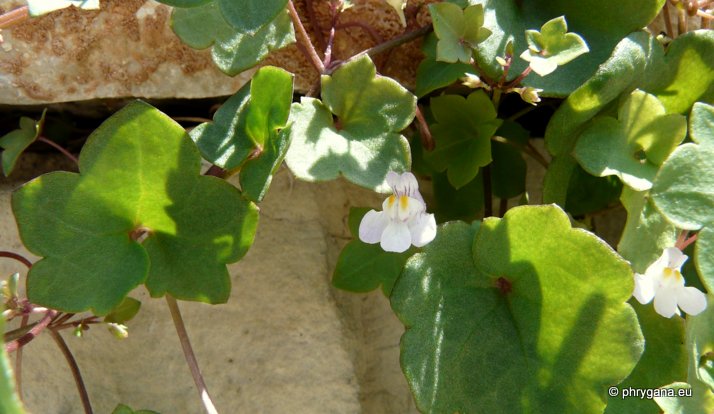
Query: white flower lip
(664, 283)
(403, 220)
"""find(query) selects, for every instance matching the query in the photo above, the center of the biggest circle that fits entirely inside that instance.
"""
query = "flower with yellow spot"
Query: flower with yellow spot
(663, 281)
(403, 220)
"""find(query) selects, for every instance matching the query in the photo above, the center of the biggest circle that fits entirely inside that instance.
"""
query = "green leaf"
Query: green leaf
(233, 51)
(647, 232)
(699, 399)
(125, 409)
(704, 257)
(620, 73)
(242, 124)
(184, 3)
(363, 267)
(701, 124)
(249, 16)
(462, 133)
(16, 142)
(684, 187)
(257, 173)
(432, 74)
(224, 141)
(457, 204)
(587, 194)
(591, 19)
(125, 312)
(81, 223)
(552, 46)
(271, 93)
(674, 85)
(664, 361)
(10, 402)
(634, 145)
(508, 171)
(459, 31)
(489, 332)
(364, 142)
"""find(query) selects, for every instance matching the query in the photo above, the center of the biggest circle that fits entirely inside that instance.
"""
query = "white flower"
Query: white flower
(403, 221)
(663, 281)
(473, 81)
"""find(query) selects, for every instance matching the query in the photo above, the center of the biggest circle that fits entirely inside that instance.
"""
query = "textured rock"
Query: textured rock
(127, 49)
(286, 342)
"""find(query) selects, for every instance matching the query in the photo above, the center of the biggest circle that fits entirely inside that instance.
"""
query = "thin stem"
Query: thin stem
(522, 112)
(190, 356)
(15, 256)
(29, 336)
(496, 98)
(689, 241)
(487, 194)
(683, 240)
(18, 359)
(309, 49)
(81, 388)
(426, 139)
(518, 80)
(502, 207)
(59, 148)
(191, 119)
(389, 44)
(331, 38)
(681, 19)
(536, 154)
(366, 27)
(14, 17)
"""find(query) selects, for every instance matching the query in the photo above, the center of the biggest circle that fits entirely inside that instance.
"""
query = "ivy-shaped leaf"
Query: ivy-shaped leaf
(696, 400)
(622, 72)
(233, 51)
(592, 19)
(684, 187)
(670, 79)
(82, 224)
(257, 173)
(433, 74)
(243, 124)
(363, 143)
(634, 145)
(462, 133)
(14, 143)
(364, 267)
(459, 31)
(552, 46)
(487, 329)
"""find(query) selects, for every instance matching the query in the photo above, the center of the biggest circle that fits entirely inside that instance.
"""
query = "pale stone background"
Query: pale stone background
(286, 342)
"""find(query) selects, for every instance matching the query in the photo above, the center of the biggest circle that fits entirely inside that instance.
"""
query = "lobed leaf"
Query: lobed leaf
(363, 143)
(14, 143)
(82, 223)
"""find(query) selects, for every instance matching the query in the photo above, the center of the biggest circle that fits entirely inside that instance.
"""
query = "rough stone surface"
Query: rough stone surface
(127, 49)
(286, 342)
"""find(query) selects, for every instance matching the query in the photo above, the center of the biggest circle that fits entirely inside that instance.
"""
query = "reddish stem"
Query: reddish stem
(76, 374)
(15, 256)
(14, 17)
(18, 359)
(59, 148)
(29, 336)
(683, 241)
(426, 138)
(304, 39)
